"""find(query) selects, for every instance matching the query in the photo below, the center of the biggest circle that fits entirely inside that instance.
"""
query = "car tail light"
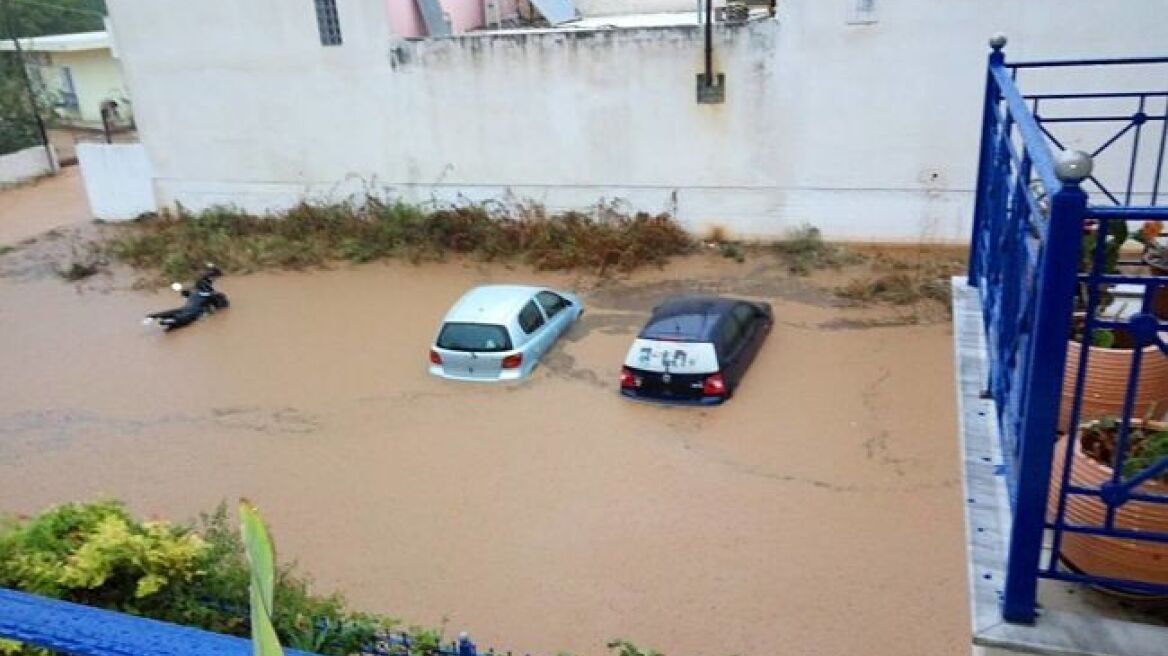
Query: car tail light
(513, 361)
(434, 357)
(714, 385)
(627, 378)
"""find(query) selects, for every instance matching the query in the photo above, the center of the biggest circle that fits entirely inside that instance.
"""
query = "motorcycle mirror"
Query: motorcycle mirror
(176, 286)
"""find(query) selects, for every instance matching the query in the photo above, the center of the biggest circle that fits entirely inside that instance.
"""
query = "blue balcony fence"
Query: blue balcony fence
(1055, 267)
(67, 628)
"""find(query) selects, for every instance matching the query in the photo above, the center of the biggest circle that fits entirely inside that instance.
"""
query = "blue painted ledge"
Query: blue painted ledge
(86, 631)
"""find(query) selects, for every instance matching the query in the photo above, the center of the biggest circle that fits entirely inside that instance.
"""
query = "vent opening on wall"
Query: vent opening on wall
(861, 12)
(328, 22)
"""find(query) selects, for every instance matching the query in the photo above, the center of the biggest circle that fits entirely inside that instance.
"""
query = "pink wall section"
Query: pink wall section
(405, 19)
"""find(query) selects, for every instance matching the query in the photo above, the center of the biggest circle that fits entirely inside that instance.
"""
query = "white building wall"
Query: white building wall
(118, 180)
(24, 165)
(868, 131)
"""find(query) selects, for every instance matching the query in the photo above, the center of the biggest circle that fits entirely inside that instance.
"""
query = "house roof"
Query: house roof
(61, 42)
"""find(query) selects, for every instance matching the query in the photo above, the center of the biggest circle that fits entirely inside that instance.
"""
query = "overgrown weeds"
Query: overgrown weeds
(902, 281)
(179, 242)
(803, 250)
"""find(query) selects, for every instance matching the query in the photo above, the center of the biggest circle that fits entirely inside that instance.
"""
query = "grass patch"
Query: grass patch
(904, 281)
(177, 243)
(6, 249)
(803, 250)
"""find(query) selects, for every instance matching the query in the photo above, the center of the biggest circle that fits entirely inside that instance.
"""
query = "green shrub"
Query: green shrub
(99, 554)
(803, 250)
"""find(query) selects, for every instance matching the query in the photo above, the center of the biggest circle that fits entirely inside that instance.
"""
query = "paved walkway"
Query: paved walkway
(29, 210)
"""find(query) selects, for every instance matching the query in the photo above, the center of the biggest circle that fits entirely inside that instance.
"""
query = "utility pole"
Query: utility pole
(10, 21)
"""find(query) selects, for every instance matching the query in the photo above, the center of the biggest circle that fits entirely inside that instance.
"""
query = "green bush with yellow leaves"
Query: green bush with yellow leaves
(99, 554)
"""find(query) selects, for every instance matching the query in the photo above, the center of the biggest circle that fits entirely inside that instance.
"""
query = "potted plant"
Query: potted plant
(1093, 460)
(1156, 258)
(1111, 353)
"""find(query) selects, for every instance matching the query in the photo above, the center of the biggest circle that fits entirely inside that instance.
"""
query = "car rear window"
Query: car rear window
(677, 328)
(480, 337)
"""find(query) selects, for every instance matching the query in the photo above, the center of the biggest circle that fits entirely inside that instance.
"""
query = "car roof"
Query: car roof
(711, 309)
(495, 304)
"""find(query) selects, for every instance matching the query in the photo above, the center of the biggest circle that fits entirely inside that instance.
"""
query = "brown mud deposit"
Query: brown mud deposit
(819, 512)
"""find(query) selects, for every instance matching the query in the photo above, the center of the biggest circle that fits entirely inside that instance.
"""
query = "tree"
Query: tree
(40, 17)
(18, 124)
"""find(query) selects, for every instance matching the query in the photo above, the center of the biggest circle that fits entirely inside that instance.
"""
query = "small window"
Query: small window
(551, 303)
(676, 328)
(530, 318)
(731, 334)
(862, 12)
(328, 22)
(745, 314)
(68, 89)
(474, 337)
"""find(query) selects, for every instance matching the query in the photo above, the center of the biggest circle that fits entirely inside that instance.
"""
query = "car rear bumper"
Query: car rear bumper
(501, 377)
(650, 397)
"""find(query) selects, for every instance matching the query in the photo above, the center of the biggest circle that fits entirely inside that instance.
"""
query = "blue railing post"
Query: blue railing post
(465, 646)
(1057, 278)
(989, 122)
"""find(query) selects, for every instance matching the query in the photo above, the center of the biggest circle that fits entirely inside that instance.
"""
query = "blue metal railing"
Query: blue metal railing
(1049, 266)
(78, 630)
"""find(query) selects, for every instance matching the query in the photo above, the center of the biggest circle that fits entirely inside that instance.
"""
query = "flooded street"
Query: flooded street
(819, 512)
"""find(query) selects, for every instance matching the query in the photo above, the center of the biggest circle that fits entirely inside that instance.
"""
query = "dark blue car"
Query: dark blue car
(695, 349)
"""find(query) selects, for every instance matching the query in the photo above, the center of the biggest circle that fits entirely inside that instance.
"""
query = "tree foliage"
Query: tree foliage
(40, 17)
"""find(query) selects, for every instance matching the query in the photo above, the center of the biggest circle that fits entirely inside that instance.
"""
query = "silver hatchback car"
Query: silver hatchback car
(499, 332)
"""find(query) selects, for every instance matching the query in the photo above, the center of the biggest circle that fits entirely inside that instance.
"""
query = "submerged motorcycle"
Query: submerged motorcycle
(202, 299)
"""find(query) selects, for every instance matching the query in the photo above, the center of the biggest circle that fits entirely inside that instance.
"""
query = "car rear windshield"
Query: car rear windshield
(474, 337)
(677, 328)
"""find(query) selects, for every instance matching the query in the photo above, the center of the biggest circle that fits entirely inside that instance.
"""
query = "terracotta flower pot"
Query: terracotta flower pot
(1137, 560)
(1106, 383)
(1158, 267)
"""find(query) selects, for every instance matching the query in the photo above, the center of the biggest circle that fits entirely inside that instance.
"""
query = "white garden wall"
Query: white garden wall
(24, 165)
(868, 131)
(119, 181)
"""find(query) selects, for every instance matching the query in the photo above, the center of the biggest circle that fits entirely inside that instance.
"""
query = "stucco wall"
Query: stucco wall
(96, 76)
(24, 165)
(869, 132)
(119, 182)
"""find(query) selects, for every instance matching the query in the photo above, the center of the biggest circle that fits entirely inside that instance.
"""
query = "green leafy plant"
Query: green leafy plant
(261, 555)
(1117, 235)
(198, 575)
(803, 250)
(1147, 444)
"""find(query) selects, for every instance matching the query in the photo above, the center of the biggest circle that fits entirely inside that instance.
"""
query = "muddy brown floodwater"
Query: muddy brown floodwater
(819, 512)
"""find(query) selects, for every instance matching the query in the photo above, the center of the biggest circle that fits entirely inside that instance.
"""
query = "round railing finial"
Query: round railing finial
(1073, 166)
(998, 41)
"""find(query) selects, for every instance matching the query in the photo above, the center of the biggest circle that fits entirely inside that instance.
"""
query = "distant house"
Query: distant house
(77, 72)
